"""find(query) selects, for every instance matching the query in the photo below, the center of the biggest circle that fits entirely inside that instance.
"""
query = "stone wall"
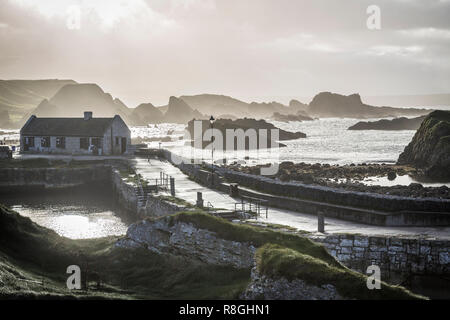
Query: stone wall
(28, 178)
(267, 288)
(374, 201)
(125, 192)
(157, 207)
(368, 208)
(394, 255)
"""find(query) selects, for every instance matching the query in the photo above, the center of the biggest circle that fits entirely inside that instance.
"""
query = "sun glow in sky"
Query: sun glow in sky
(147, 50)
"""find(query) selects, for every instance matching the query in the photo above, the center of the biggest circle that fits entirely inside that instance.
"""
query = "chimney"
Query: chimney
(87, 115)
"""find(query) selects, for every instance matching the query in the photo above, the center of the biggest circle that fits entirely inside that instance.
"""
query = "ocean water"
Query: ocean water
(328, 141)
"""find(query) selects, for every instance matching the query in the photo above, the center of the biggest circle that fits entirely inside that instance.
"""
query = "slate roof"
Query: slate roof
(77, 127)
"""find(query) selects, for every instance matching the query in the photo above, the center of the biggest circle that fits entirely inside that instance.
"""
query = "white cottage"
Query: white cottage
(88, 135)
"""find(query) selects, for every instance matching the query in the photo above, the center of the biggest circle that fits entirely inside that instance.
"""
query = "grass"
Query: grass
(177, 201)
(250, 234)
(34, 253)
(129, 174)
(30, 254)
(276, 261)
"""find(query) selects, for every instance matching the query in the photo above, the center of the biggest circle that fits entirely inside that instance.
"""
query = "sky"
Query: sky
(262, 50)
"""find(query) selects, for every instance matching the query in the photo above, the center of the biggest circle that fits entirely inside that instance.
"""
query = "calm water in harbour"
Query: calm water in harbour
(73, 215)
(75, 222)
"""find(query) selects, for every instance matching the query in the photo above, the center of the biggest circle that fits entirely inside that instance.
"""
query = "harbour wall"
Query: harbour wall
(367, 208)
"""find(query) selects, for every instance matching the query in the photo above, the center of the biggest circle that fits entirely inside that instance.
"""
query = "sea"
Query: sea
(327, 141)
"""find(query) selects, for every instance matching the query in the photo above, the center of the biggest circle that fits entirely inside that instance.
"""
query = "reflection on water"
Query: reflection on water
(75, 222)
(76, 214)
(404, 180)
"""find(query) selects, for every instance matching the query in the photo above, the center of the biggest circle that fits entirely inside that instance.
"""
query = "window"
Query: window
(117, 141)
(97, 142)
(45, 142)
(61, 142)
(84, 143)
(29, 141)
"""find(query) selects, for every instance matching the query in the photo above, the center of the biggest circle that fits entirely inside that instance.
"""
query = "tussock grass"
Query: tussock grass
(276, 261)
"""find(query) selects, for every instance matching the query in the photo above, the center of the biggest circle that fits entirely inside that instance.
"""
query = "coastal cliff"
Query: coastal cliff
(430, 146)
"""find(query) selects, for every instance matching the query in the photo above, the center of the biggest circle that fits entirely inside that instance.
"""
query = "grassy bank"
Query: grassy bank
(276, 261)
(33, 262)
(254, 235)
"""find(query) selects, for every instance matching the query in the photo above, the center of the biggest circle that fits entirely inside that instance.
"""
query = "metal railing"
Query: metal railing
(209, 206)
(253, 206)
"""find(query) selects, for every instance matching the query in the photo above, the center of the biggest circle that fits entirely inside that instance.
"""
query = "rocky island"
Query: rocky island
(402, 123)
(245, 124)
(331, 105)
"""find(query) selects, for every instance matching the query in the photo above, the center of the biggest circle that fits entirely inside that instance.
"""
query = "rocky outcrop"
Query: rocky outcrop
(327, 104)
(268, 288)
(297, 106)
(179, 111)
(218, 105)
(430, 146)
(146, 113)
(18, 97)
(394, 124)
(247, 125)
(73, 99)
(175, 237)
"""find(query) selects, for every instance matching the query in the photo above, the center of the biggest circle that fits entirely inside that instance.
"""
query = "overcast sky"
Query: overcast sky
(148, 50)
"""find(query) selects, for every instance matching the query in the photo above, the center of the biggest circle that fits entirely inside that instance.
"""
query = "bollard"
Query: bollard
(172, 186)
(199, 200)
(320, 222)
(234, 190)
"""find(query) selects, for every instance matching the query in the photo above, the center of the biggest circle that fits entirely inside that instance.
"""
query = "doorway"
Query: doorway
(123, 145)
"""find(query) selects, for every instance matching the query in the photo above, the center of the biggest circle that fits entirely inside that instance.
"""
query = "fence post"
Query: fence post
(172, 186)
(199, 200)
(320, 222)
